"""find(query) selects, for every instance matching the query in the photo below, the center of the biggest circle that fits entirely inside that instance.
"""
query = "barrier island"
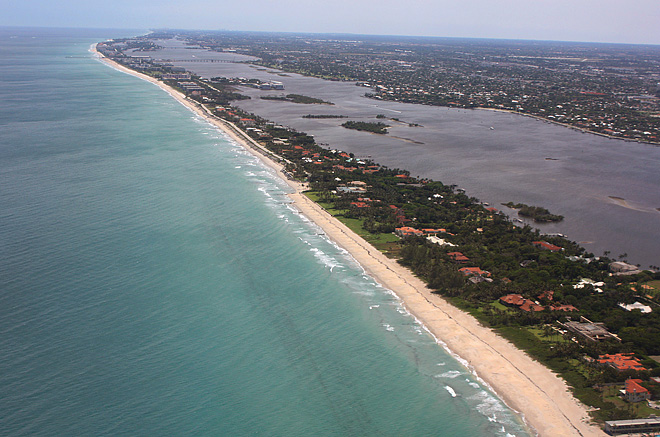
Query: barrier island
(477, 281)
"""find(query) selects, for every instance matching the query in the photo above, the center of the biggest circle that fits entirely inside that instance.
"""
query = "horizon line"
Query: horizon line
(483, 38)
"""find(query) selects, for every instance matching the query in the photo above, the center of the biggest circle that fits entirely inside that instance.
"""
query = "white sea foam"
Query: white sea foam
(264, 191)
(325, 259)
(492, 408)
(451, 374)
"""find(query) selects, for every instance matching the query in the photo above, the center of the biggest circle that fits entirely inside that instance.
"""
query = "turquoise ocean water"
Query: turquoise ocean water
(154, 279)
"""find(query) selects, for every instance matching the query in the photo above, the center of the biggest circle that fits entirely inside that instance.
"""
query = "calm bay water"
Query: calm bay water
(154, 279)
(581, 176)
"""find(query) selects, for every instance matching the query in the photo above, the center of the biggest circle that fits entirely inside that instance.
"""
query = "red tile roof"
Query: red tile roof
(458, 256)
(467, 271)
(407, 231)
(633, 386)
(547, 294)
(528, 305)
(624, 361)
(545, 245)
(531, 306)
(512, 299)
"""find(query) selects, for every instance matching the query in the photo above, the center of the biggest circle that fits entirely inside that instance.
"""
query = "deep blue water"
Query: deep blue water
(154, 279)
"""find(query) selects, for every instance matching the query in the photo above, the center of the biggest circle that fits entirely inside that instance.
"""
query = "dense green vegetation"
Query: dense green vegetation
(377, 128)
(537, 213)
(297, 98)
(323, 116)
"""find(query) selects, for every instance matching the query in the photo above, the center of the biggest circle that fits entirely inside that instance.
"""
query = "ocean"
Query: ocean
(155, 279)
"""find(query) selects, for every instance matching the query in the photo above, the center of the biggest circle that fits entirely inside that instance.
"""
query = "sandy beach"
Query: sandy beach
(542, 398)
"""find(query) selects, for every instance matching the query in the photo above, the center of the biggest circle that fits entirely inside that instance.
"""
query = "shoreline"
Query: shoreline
(540, 397)
(569, 126)
(540, 118)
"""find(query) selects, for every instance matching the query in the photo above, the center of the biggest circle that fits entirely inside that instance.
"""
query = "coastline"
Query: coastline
(542, 398)
(569, 126)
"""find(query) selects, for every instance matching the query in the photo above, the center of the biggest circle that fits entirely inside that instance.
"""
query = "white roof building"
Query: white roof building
(440, 241)
(636, 306)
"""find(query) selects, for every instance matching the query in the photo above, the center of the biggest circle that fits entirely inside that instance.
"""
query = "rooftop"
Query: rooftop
(623, 361)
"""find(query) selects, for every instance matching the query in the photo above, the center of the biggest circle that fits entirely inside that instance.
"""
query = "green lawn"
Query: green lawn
(382, 242)
(655, 291)
(640, 409)
(387, 243)
(654, 284)
(554, 337)
(497, 304)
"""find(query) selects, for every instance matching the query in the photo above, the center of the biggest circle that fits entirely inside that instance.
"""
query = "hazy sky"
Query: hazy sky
(624, 21)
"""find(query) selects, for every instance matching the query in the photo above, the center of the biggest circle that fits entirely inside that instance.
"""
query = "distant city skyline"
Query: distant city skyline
(559, 20)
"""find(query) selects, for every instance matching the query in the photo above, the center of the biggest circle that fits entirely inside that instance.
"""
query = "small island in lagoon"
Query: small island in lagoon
(297, 98)
(536, 213)
(376, 128)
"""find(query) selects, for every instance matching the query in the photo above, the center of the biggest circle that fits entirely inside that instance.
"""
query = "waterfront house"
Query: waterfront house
(469, 271)
(439, 241)
(360, 204)
(589, 330)
(512, 300)
(619, 268)
(635, 392)
(458, 257)
(530, 306)
(547, 246)
(636, 306)
(407, 231)
(517, 301)
(621, 361)
(434, 231)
